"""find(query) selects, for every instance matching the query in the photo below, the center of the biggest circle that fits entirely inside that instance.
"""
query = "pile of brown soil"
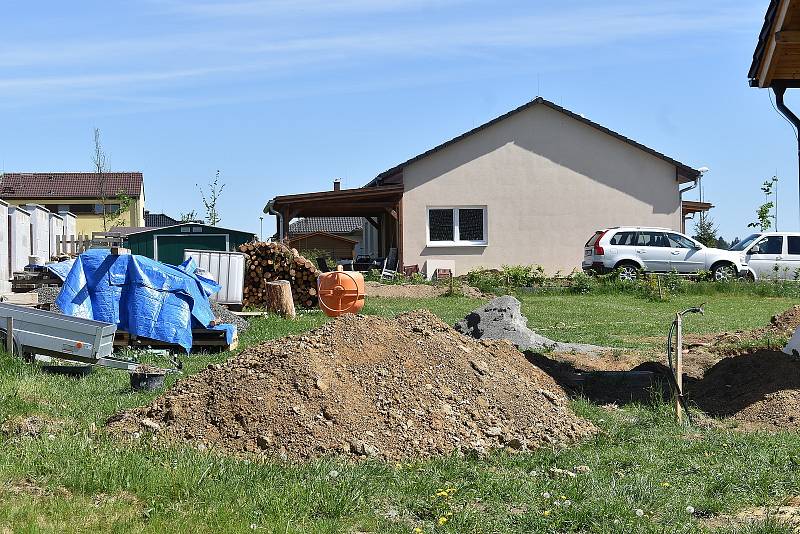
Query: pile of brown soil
(786, 322)
(419, 291)
(780, 328)
(393, 388)
(760, 390)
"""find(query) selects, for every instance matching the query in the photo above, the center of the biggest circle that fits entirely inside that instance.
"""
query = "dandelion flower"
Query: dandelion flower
(665, 484)
(639, 512)
(417, 530)
(442, 520)
(690, 509)
(546, 513)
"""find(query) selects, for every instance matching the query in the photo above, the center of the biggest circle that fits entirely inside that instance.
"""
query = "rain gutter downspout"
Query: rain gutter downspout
(695, 183)
(779, 90)
(269, 209)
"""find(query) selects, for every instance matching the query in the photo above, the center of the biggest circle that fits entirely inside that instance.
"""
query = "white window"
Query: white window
(457, 226)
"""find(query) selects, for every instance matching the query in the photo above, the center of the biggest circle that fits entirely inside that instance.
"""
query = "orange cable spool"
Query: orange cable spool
(340, 292)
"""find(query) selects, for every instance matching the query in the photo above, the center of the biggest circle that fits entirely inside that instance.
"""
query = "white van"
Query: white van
(771, 255)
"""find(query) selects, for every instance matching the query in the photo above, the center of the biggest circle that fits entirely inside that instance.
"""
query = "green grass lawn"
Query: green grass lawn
(73, 477)
(629, 321)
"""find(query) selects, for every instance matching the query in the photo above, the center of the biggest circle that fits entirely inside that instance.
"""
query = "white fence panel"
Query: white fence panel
(227, 268)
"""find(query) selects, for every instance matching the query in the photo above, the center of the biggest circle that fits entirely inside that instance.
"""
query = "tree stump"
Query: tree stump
(279, 298)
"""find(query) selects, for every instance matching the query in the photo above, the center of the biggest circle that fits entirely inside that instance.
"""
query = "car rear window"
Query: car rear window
(623, 238)
(593, 239)
(794, 244)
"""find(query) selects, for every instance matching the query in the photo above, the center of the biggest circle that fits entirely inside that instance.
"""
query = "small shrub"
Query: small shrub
(580, 282)
(509, 276)
(312, 254)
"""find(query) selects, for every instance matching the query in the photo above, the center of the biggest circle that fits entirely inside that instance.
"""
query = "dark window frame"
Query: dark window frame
(456, 240)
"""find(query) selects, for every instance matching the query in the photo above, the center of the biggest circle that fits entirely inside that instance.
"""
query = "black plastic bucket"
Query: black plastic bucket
(147, 381)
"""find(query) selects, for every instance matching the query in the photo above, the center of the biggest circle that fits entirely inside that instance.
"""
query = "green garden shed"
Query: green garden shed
(167, 244)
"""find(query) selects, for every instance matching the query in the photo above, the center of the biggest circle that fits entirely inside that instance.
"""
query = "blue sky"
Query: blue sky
(284, 96)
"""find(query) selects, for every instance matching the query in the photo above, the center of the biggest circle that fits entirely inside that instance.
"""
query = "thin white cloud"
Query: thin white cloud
(263, 8)
(130, 63)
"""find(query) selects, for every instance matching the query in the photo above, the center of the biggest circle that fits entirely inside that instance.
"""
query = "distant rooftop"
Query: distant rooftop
(330, 225)
(41, 185)
(157, 220)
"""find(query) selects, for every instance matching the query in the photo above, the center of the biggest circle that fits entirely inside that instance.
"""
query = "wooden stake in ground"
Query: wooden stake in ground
(10, 336)
(279, 298)
(679, 367)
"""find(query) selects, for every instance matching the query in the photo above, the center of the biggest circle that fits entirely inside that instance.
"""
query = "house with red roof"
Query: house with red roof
(88, 195)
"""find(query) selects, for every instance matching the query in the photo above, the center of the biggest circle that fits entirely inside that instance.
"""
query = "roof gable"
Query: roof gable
(688, 172)
(40, 185)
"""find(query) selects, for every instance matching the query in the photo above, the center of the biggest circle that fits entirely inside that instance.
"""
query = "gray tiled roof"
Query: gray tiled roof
(331, 225)
(158, 220)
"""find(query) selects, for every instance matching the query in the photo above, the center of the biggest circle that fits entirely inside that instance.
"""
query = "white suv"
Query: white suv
(771, 255)
(631, 249)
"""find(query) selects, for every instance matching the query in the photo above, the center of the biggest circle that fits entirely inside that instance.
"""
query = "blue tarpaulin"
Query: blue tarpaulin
(142, 296)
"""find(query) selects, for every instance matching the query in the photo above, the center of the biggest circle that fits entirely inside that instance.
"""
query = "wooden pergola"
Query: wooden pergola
(690, 207)
(381, 207)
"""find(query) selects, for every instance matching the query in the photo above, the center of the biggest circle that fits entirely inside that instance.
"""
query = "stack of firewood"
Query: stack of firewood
(268, 262)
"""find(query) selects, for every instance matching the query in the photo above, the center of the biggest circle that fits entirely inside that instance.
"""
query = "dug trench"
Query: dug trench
(412, 386)
(755, 388)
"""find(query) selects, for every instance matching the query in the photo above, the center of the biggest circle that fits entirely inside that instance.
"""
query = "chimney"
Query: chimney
(337, 184)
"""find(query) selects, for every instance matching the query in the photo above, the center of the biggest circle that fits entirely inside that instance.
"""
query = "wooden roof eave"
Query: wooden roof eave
(689, 207)
(776, 60)
(360, 202)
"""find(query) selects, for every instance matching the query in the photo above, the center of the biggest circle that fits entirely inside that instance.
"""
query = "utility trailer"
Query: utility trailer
(39, 332)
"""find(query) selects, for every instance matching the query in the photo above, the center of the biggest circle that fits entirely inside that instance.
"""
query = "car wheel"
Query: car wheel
(724, 272)
(628, 272)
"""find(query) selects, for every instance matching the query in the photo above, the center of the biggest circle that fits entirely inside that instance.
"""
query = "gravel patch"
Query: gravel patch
(48, 295)
(226, 316)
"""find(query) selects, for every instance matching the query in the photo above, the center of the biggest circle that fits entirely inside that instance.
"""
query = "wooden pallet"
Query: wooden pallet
(29, 280)
(202, 340)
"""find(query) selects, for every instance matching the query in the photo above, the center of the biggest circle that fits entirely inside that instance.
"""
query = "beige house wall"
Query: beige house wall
(548, 182)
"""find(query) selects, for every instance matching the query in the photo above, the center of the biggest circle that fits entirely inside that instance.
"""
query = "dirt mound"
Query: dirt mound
(786, 322)
(393, 388)
(780, 329)
(376, 289)
(761, 389)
